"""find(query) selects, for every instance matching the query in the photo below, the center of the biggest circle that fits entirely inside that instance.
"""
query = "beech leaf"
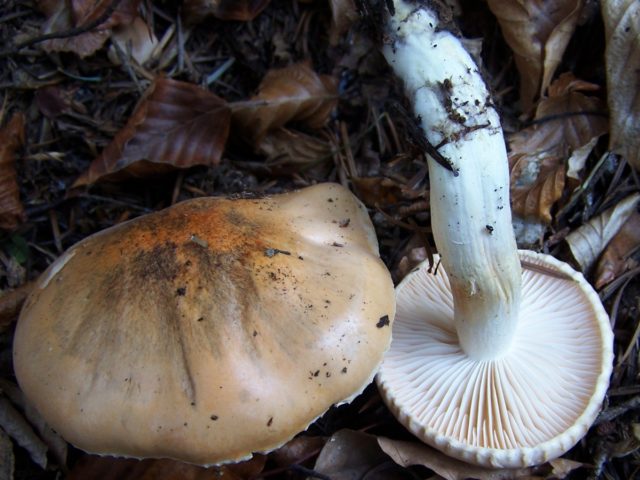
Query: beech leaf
(135, 39)
(622, 58)
(344, 14)
(538, 32)
(12, 422)
(63, 16)
(11, 138)
(407, 454)
(588, 241)
(11, 302)
(7, 461)
(111, 468)
(352, 455)
(566, 121)
(283, 147)
(242, 10)
(294, 93)
(616, 258)
(175, 125)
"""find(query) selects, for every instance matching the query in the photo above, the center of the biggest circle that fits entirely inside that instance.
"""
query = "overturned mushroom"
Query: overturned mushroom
(489, 363)
(209, 330)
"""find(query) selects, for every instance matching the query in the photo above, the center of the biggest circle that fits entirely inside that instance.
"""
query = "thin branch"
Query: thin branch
(73, 32)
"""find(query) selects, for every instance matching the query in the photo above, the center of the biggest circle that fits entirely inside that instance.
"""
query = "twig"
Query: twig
(73, 32)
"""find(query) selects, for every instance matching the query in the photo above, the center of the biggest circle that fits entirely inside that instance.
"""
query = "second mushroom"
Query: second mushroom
(499, 358)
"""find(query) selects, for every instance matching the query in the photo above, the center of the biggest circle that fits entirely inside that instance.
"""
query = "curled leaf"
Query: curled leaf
(11, 138)
(7, 461)
(412, 453)
(283, 147)
(588, 241)
(111, 468)
(135, 39)
(175, 125)
(294, 93)
(12, 422)
(242, 10)
(63, 16)
(538, 32)
(616, 258)
(344, 14)
(11, 303)
(622, 56)
(565, 122)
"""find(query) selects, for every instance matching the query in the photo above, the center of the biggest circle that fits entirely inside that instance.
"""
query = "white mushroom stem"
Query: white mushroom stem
(470, 211)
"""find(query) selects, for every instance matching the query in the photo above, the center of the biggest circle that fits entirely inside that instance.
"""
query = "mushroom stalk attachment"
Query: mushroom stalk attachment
(469, 179)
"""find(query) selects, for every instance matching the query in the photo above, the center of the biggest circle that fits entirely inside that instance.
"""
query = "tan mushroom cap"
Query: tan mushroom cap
(530, 405)
(209, 330)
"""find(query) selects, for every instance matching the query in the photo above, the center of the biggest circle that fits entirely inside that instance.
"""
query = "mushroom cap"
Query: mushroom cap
(526, 407)
(209, 330)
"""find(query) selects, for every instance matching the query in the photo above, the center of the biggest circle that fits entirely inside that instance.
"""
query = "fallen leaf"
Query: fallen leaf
(63, 16)
(56, 100)
(297, 450)
(351, 455)
(11, 138)
(412, 453)
(285, 148)
(377, 191)
(578, 159)
(622, 56)
(538, 32)
(344, 14)
(7, 461)
(294, 93)
(11, 302)
(561, 467)
(565, 122)
(110, 468)
(136, 40)
(242, 10)
(616, 258)
(536, 200)
(12, 422)
(588, 241)
(175, 125)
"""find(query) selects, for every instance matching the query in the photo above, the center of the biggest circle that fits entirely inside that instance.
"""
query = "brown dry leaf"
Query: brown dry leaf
(351, 455)
(11, 138)
(110, 468)
(242, 10)
(588, 241)
(538, 32)
(377, 191)
(537, 199)
(616, 258)
(566, 121)
(175, 125)
(412, 453)
(297, 450)
(622, 56)
(136, 40)
(284, 147)
(12, 422)
(7, 460)
(344, 14)
(11, 303)
(294, 93)
(63, 16)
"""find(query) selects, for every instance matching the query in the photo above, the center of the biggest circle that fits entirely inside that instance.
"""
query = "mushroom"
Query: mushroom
(209, 330)
(491, 363)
